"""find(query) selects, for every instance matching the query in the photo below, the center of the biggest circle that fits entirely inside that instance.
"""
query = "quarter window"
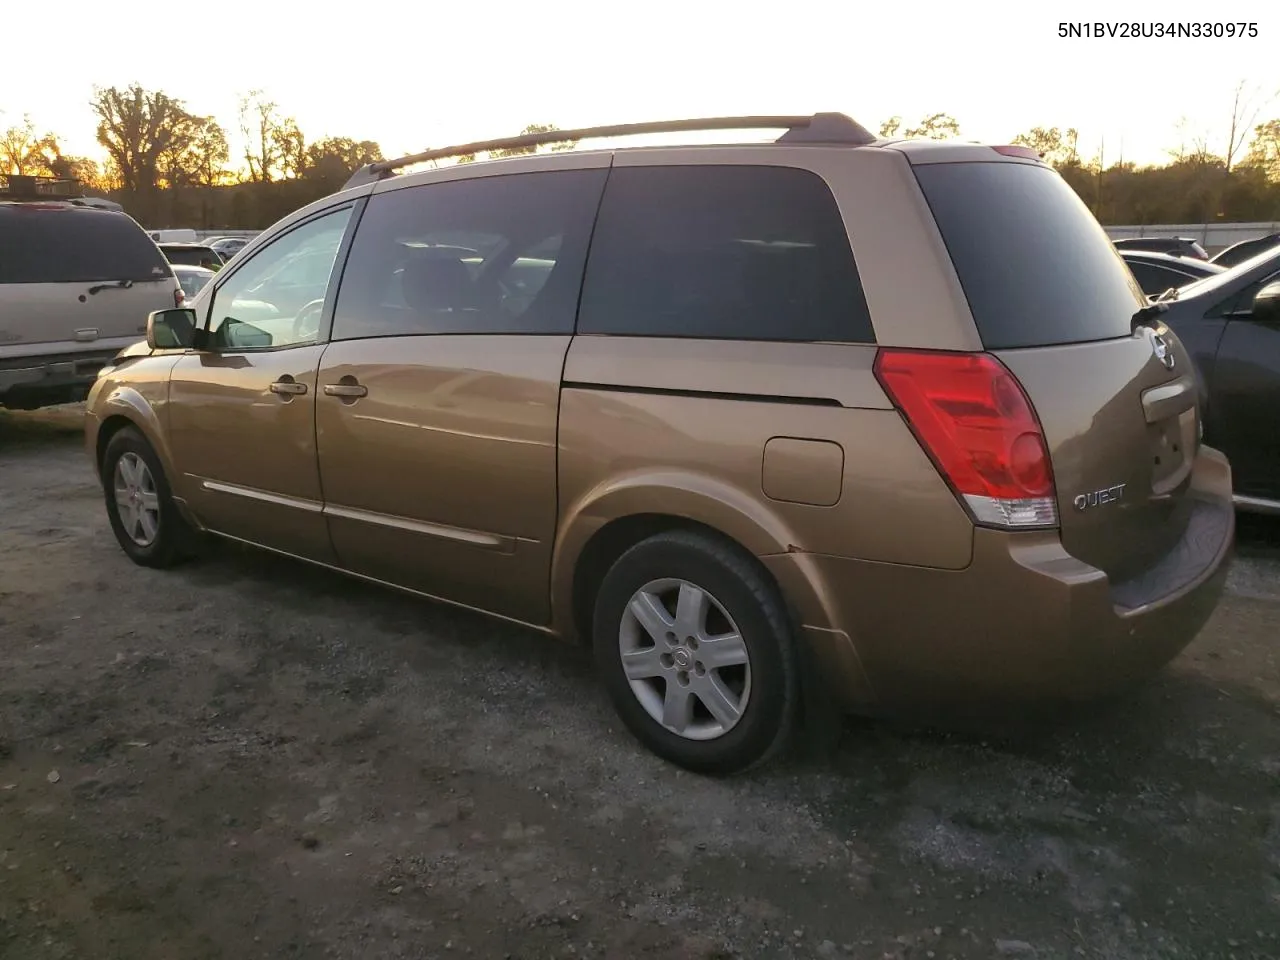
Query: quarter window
(1154, 279)
(722, 252)
(485, 255)
(276, 298)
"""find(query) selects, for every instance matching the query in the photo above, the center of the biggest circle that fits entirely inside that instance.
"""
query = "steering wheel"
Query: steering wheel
(306, 322)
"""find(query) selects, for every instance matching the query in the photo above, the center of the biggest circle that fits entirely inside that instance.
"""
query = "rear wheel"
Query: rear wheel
(144, 518)
(695, 650)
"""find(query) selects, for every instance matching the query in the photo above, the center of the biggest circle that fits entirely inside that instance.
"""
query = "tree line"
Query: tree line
(171, 167)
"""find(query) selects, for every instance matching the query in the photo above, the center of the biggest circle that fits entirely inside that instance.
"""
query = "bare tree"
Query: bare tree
(1246, 107)
(260, 123)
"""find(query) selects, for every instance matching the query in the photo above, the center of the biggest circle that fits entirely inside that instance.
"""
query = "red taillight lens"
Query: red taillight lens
(179, 297)
(974, 420)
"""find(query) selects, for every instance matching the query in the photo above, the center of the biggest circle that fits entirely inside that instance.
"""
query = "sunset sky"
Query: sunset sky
(445, 72)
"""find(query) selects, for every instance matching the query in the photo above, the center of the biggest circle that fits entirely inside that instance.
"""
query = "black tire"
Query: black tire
(174, 539)
(736, 582)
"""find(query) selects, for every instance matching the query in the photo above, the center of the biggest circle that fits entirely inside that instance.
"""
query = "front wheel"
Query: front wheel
(144, 518)
(695, 649)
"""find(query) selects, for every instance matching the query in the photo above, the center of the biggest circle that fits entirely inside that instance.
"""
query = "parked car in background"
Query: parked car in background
(1175, 246)
(1246, 250)
(76, 286)
(657, 405)
(228, 247)
(192, 278)
(192, 254)
(179, 235)
(1230, 323)
(1158, 272)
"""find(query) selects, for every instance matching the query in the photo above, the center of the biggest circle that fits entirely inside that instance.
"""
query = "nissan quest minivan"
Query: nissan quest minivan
(887, 422)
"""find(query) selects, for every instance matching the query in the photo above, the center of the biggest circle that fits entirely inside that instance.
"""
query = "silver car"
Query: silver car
(76, 286)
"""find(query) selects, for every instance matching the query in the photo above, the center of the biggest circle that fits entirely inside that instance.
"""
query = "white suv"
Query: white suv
(76, 286)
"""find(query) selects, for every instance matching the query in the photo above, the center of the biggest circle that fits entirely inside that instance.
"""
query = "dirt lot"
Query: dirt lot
(250, 758)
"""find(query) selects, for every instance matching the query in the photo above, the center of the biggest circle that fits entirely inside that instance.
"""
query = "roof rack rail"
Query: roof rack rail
(833, 128)
(15, 186)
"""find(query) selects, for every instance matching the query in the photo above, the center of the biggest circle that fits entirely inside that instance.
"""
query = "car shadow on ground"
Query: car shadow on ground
(1121, 729)
(52, 425)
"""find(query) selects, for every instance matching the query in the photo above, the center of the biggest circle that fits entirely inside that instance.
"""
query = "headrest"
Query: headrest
(433, 282)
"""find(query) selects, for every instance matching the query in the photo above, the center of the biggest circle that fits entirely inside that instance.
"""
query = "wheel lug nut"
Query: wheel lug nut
(666, 660)
(699, 669)
(692, 642)
(683, 677)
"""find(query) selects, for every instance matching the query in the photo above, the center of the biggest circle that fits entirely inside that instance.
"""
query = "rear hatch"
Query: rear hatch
(1054, 302)
(78, 276)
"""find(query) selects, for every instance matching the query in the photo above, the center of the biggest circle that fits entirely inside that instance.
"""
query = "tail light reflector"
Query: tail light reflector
(974, 420)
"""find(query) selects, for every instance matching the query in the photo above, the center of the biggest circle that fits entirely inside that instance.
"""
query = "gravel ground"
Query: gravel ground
(250, 758)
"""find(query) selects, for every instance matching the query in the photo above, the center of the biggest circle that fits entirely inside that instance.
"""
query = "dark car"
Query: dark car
(1175, 246)
(1230, 324)
(1246, 249)
(192, 254)
(1158, 272)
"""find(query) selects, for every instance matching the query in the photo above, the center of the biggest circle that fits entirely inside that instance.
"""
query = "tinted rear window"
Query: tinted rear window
(722, 252)
(75, 245)
(191, 256)
(1035, 265)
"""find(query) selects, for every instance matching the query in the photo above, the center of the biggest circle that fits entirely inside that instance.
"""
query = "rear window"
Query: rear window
(191, 256)
(75, 245)
(1036, 267)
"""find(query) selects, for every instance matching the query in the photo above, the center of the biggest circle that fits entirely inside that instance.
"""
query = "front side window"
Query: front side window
(1242, 304)
(487, 255)
(276, 298)
(722, 252)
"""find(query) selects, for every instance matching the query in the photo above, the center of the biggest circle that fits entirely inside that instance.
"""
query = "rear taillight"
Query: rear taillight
(179, 297)
(974, 420)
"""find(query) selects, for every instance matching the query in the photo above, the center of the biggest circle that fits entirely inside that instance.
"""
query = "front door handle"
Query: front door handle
(288, 387)
(345, 390)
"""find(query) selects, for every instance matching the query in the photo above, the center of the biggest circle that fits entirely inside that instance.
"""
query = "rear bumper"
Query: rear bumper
(1025, 621)
(39, 375)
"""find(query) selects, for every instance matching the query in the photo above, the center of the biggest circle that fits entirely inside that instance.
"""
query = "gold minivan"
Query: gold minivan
(767, 424)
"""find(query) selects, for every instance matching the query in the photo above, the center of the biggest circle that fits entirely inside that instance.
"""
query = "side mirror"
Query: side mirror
(171, 329)
(1266, 304)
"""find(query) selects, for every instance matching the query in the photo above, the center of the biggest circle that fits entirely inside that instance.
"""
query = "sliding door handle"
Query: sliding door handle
(288, 387)
(345, 390)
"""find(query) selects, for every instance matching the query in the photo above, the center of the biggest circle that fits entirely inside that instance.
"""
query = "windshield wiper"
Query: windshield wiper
(115, 285)
(1148, 316)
